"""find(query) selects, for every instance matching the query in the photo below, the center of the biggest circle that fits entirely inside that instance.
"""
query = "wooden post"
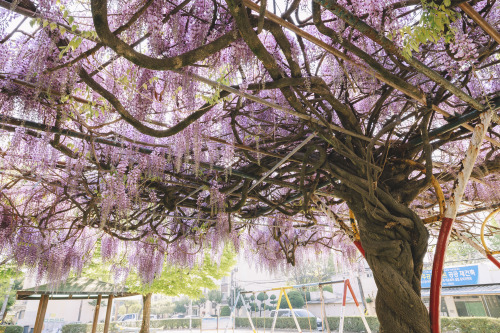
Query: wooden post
(96, 314)
(108, 313)
(37, 320)
(40, 316)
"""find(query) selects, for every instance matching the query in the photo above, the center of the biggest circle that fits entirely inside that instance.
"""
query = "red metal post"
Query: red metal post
(455, 199)
(493, 260)
(360, 247)
(437, 273)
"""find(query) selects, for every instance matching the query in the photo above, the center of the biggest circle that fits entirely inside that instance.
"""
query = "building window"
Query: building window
(470, 306)
(444, 308)
(492, 303)
(20, 314)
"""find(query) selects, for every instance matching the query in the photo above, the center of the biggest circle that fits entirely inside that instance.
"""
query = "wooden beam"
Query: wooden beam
(488, 28)
(96, 314)
(108, 313)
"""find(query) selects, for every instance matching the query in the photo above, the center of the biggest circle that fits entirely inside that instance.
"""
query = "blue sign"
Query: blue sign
(453, 276)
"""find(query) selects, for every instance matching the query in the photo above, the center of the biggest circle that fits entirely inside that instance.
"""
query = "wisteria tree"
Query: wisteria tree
(166, 127)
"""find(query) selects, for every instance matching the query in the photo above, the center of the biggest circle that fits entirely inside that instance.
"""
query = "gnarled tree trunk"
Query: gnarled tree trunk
(395, 250)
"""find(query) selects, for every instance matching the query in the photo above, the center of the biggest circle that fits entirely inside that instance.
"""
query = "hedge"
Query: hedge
(354, 324)
(181, 323)
(470, 324)
(164, 323)
(455, 325)
(74, 328)
(87, 328)
(11, 329)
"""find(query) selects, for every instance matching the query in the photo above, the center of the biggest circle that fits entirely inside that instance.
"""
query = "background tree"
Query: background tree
(296, 300)
(162, 308)
(215, 297)
(234, 293)
(239, 304)
(253, 307)
(180, 306)
(328, 288)
(225, 311)
(262, 297)
(170, 281)
(11, 280)
(128, 306)
(312, 271)
(200, 302)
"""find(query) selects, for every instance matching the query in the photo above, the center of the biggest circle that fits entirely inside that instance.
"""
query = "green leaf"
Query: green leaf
(45, 23)
(78, 41)
(61, 54)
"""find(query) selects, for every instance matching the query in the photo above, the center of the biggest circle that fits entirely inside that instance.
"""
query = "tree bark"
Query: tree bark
(395, 253)
(146, 311)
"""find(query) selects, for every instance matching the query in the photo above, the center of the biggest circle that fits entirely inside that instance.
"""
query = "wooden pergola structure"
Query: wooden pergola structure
(72, 289)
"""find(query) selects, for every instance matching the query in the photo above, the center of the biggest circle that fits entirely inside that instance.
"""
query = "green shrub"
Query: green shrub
(296, 299)
(74, 328)
(11, 329)
(470, 324)
(87, 328)
(225, 311)
(180, 323)
(354, 324)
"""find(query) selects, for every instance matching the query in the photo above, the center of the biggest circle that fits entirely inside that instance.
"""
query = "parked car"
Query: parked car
(153, 317)
(129, 317)
(177, 315)
(298, 313)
